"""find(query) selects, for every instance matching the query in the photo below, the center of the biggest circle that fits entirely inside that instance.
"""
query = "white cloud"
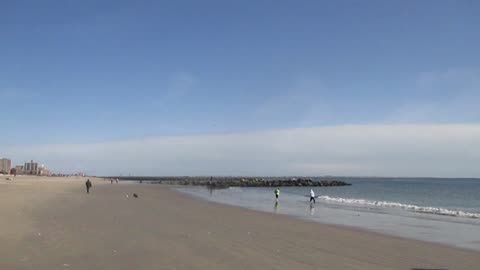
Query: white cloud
(387, 150)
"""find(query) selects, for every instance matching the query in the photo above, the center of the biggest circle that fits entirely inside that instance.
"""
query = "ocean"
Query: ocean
(444, 211)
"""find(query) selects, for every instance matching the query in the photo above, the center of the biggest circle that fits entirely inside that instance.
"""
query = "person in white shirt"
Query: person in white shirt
(312, 196)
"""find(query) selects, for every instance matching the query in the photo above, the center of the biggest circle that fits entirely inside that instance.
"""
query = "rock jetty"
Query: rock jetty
(225, 182)
(274, 183)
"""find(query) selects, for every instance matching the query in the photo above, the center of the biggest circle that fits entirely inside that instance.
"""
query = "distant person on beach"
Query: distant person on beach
(88, 184)
(116, 180)
(277, 193)
(312, 196)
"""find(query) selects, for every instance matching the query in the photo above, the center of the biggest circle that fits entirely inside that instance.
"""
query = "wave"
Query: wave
(409, 207)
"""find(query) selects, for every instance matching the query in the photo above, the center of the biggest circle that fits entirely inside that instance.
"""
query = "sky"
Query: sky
(242, 87)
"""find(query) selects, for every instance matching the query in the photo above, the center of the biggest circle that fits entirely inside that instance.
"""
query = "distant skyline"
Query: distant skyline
(258, 87)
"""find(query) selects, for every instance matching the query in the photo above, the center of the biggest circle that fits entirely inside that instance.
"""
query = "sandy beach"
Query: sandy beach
(51, 223)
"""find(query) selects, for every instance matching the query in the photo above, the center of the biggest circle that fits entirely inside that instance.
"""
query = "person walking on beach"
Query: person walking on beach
(312, 196)
(277, 193)
(88, 184)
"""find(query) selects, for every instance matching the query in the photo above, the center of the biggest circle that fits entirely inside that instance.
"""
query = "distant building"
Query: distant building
(31, 168)
(19, 169)
(5, 165)
(43, 171)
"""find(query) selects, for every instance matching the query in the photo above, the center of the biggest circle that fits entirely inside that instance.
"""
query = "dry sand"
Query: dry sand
(51, 223)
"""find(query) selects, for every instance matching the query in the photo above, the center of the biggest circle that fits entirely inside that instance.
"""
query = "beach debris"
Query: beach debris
(24, 259)
(135, 195)
(114, 251)
(126, 195)
(66, 265)
(39, 234)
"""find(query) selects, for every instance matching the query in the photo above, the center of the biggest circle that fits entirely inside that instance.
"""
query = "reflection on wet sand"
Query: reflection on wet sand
(312, 209)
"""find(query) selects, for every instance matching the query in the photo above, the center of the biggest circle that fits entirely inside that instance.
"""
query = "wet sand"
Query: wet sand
(51, 223)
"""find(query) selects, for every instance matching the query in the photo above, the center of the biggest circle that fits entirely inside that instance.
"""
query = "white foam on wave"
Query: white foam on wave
(409, 207)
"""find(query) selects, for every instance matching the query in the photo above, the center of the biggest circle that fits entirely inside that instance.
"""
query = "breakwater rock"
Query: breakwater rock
(274, 183)
(225, 182)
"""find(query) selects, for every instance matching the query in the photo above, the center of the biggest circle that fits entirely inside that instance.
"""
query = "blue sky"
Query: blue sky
(84, 72)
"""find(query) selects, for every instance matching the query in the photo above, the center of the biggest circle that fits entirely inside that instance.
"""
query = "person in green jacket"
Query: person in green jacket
(277, 193)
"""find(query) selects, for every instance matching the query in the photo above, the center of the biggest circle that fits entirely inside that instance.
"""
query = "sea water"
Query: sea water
(445, 211)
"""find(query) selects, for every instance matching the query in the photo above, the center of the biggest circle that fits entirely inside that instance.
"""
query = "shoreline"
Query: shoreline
(339, 226)
(457, 232)
(164, 230)
(302, 216)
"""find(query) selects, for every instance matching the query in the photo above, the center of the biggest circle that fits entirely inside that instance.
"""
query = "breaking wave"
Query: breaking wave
(409, 207)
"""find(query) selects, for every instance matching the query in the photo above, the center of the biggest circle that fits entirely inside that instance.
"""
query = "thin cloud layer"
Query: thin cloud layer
(381, 150)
